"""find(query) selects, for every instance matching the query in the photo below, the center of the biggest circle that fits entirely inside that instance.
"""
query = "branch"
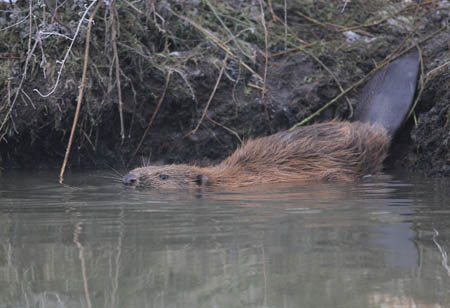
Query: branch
(161, 99)
(83, 81)
(63, 62)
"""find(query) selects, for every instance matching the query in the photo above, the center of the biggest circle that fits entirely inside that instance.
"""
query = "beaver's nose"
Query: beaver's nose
(130, 179)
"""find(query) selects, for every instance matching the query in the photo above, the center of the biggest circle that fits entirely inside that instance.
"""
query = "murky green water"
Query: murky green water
(93, 243)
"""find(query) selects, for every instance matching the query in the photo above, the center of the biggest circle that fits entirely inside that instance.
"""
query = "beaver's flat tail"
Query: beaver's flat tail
(388, 96)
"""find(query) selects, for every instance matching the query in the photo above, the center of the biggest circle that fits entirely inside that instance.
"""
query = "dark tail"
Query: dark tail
(388, 96)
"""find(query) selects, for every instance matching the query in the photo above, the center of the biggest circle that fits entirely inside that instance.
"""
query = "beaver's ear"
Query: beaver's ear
(201, 179)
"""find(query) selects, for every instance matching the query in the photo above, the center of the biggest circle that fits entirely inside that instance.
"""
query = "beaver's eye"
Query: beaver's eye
(163, 176)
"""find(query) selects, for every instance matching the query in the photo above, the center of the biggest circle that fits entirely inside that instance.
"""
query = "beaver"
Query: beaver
(331, 151)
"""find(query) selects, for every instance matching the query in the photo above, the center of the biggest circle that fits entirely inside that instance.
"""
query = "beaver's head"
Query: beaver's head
(167, 176)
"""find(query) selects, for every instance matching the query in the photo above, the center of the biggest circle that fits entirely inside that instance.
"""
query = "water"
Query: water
(94, 243)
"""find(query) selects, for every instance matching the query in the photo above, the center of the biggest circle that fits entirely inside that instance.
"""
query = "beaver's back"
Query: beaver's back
(332, 151)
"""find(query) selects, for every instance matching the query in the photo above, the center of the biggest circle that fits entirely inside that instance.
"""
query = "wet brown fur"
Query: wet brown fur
(332, 151)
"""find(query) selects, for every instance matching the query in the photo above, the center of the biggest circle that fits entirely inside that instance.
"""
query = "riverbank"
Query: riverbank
(186, 83)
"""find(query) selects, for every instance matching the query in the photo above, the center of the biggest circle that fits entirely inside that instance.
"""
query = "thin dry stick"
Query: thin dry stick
(286, 28)
(63, 62)
(192, 132)
(19, 22)
(232, 37)
(422, 82)
(89, 140)
(339, 28)
(269, 4)
(302, 49)
(8, 100)
(216, 41)
(266, 62)
(380, 21)
(30, 25)
(332, 76)
(226, 128)
(80, 94)
(133, 7)
(116, 57)
(293, 49)
(8, 104)
(9, 94)
(310, 54)
(362, 80)
(24, 75)
(161, 99)
(437, 69)
(285, 25)
(266, 50)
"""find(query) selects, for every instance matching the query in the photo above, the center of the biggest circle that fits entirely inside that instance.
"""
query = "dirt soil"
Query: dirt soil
(154, 68)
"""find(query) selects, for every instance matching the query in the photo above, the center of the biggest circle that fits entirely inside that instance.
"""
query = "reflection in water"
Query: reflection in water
(91, 243)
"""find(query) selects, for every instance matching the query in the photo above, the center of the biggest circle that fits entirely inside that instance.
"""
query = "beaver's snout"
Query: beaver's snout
(130, 179)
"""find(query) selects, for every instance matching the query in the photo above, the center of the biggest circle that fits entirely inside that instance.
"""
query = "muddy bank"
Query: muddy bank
(177, 82)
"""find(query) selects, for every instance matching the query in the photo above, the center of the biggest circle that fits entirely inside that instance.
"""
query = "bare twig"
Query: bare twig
(293, 49)
(422, 82)
(356, 84)
(161, 99)
(192, 132)
(266, 50)
(232, 37)
(437, 69)
(382, 20)
(185, 79)
(1, 108)
(217, 41)
(285, 24)
(117, 66)
(63, 62)
(269, 4)
(226, 128)
(17, 23)
(332, 76)
(339, 28)
(9, 94)
(88, 139)
(24, 75)
(345, 4)
(266, 62)
(133, 7)
(81, 91)
(302, 49)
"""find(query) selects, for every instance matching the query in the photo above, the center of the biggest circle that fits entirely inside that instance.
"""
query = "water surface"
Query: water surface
(94, 243)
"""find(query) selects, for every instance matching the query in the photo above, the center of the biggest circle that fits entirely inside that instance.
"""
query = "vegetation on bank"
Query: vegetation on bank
(183, 80)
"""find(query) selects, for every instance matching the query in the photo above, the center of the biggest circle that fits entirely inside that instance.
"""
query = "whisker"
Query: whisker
(146, 163)
(115, 178)
(116, 172)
